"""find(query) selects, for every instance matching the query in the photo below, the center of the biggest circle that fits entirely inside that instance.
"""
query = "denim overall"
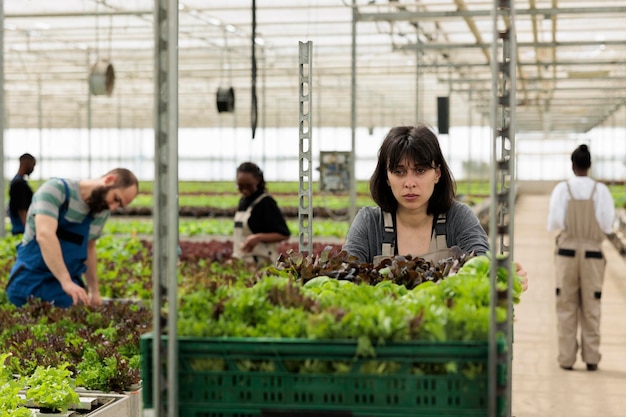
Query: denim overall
(30, 275)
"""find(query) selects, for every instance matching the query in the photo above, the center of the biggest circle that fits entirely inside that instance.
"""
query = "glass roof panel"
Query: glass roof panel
(571, 60)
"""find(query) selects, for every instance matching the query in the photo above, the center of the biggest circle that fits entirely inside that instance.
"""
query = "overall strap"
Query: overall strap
(241, 218)
(593, 190)
(66, 203)
(389, 234)
(62, 232)
(569, 190)
(257, 201)
(440, 231)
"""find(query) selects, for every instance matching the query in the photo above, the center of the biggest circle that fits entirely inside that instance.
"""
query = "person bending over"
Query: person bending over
(58, 248)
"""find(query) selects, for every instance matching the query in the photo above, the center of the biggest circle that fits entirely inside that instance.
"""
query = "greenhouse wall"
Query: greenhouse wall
(213, 154)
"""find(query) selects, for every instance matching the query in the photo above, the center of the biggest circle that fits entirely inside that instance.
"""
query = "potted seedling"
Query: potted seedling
(11, 404)
(52, 390)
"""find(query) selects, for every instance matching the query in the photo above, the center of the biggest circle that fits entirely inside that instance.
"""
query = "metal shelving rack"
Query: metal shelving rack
(502, 193)
(502, 118)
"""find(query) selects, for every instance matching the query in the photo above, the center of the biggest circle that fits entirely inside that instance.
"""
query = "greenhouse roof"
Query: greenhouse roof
(571, 56)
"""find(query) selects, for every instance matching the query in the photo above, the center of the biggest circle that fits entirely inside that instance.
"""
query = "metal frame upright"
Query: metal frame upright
(305, 124)
(2, 118)
(165, 209)
(502, 193)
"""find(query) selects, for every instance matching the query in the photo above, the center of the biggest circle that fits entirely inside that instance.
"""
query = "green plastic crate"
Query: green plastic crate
(227, 377)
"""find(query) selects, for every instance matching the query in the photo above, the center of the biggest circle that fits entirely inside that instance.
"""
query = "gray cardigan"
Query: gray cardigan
(365, 237)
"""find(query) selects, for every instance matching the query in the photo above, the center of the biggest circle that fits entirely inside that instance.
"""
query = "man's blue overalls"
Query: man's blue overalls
(30, 275)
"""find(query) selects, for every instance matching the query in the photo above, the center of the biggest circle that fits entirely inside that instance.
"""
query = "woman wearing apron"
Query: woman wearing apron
(417, 212)
(259, 223)
(583, 210)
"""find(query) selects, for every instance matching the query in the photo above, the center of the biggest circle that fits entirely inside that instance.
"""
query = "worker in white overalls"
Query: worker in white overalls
(259, 223)
(584, 211)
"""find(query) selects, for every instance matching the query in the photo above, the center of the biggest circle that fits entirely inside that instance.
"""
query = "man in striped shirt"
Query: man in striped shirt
(65, 219)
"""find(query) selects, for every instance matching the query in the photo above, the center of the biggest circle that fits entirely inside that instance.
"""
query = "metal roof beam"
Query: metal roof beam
(540, 79)
(407, 16)
(590, 42)
(103, 13)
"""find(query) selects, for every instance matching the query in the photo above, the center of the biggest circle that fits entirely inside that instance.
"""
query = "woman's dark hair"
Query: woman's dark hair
(419, 145)
(581, 158)
(252, 168)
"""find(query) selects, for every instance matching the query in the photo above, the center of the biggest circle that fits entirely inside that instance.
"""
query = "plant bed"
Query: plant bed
(86, 406)
(93, 404)
(128, 403)
(199, 212)
(405, 340)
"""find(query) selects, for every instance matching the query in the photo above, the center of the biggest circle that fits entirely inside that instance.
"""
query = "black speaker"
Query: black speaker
(225, 100)
(443, 110)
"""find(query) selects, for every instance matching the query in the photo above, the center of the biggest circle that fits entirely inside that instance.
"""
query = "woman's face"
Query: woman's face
(412, 186)
(247, 183)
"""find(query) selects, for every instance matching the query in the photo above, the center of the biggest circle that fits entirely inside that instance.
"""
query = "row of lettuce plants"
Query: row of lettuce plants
(325, 295)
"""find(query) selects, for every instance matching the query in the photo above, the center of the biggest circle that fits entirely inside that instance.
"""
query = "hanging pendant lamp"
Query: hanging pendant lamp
(101, 78)
(225, 100)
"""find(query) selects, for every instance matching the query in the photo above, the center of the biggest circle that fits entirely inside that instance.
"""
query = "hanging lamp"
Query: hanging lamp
(225, 100)
(225, 96)
(101, 78)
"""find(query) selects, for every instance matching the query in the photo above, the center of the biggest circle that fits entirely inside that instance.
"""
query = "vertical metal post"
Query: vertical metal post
(502, 192)
(418, 62)
(120, 130)
(88, 123)
(165, 209)
(2, 119)
(469, 145)
(352, 205)
(263, 105)
(40, 123)
(305, 207)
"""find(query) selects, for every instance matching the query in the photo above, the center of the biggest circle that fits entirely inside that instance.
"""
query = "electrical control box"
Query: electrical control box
(334, 171)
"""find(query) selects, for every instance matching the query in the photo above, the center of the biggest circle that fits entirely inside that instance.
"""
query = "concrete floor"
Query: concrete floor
(540, 387)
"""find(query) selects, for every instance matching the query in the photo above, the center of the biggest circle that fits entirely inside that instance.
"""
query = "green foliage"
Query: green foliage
(7, 259)
(618, 191)
(215, 226)
(96, 372)
(224, 298)
(124, 256)
(11, 404)
(103, 340)
(52, 388)
(5, 373)
(454, 308)
(221, 187)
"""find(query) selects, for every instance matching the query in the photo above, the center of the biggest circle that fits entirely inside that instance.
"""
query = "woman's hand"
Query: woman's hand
(520, 271)
(251, 241)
